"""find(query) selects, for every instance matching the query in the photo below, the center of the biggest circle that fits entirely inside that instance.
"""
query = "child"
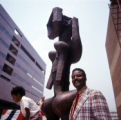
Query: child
(29, 108)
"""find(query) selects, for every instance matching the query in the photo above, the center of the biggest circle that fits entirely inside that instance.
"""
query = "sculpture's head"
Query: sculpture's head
(57, 23)
(54, 23)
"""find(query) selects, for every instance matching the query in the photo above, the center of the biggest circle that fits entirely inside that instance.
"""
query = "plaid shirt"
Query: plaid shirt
(91, 106)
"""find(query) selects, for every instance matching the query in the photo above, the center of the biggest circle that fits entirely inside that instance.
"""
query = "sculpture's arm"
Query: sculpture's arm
(76, 45)
(52, 56)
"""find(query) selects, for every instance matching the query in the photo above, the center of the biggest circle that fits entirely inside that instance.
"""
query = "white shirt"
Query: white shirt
(30, 104)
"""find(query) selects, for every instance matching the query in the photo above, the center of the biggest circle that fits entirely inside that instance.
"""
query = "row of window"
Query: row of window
(17, 43)
(7, 69)
(28, 74)
(29, 55)
(29, 65)
(11, 59)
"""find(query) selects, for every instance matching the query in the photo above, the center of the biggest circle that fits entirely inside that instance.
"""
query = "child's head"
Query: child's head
(17, 93)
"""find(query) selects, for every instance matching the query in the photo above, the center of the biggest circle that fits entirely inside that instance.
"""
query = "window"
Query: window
(27, 53)
(13, 49)
(36, 89)
(39, 66)
(10, 59)
(5, 78)
(7, 69)
(17, 32)
(16, 42)
(29, 65)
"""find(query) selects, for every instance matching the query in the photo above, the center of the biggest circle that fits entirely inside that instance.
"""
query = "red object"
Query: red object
(4, 111)
(20, 116)
(41, 112)
(74, 106)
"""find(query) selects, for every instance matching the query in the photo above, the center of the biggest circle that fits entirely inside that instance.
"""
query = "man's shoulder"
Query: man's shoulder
(94, 92)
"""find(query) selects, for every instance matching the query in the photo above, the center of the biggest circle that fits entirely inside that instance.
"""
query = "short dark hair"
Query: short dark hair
(79, 69)
(18, 90)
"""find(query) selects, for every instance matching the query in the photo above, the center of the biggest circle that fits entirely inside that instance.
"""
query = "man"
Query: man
(89, 104)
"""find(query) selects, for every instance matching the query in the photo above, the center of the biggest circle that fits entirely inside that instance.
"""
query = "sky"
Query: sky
(31, 16)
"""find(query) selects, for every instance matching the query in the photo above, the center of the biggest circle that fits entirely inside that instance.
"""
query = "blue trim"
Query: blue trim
(11, 115)
(1, 67)
(23, 70)
(2, 54)
(21, 79)
(6, 32)
(4, 43)
(28, 65)
(6, 21)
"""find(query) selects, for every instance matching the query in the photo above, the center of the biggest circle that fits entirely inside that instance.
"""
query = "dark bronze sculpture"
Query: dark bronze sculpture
(68, 51)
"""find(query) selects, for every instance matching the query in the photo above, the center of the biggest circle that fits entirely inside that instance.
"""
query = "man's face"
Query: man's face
(78, 79)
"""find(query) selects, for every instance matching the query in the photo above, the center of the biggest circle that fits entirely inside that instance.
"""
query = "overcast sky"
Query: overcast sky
(31, 16)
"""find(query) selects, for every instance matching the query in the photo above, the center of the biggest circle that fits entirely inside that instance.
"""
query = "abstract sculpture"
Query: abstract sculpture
(68, 51)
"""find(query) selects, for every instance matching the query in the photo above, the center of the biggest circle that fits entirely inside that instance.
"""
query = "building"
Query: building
(19, 62)
(113, 49)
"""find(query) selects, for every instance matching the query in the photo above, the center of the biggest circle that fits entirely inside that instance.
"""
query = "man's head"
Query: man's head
(78, 78)
(17, 93)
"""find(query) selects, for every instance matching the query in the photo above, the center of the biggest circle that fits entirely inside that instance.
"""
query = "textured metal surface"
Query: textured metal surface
(68, 51)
